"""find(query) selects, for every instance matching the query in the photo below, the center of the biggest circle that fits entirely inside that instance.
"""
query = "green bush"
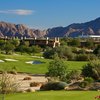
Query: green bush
(92, 57)
(57, 69)
(83, 84)
(82, 57)
(92, 69)
(89, 80)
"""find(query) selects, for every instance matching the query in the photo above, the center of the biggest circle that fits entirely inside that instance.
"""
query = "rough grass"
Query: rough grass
(54, 95)
(21, 66)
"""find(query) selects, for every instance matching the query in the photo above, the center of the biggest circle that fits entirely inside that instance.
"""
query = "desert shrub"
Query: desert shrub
(73, 75)
(62, 51)
(54, 86)
(8, 83)
(49, 53)
(87, 82)
(92, 57)
(97, 51)
(82, 57)
(57, 69)
(92, 69)
(12, 72)
(81, 51)
(83, 84)
(75, 42)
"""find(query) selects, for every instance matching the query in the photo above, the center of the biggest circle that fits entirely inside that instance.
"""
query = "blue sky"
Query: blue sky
(48, 13)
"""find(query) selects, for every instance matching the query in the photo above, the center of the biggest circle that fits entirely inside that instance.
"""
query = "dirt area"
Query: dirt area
(24, 84)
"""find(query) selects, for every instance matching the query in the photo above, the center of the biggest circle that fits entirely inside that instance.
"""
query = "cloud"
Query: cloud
(17, 12)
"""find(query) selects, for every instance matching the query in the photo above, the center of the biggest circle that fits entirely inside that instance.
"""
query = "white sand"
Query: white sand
(29, 62)
(38, 57)
(1, 61)
(11, 60)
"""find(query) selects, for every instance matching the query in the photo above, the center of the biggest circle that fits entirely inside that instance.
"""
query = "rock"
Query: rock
(27, 78)
(30, 90)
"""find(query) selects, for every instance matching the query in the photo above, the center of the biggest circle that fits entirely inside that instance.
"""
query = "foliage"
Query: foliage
(2, 42)
(8, 47)
(83, 84)
(57, 68)
(82, 57)
(36, 49)
(89, 44)
(48, 53)
(65, 52)
(75, 42)
(15, 42)
(87, 82)
(73, 75)
(21, 49)
(92, 69)
(97, 51)
(62, 51)
(8, 83)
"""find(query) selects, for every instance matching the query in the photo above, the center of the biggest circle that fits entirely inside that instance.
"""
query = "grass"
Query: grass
(54, 95)
(21, 66)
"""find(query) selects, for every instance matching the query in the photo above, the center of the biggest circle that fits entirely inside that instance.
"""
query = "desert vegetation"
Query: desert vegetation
(72, 66)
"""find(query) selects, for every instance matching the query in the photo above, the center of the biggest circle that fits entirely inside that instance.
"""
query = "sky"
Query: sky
(43, 14)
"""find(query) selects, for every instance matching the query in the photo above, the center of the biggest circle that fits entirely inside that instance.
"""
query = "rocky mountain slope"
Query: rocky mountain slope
(20, 30)
(73, 30)
(76, 29)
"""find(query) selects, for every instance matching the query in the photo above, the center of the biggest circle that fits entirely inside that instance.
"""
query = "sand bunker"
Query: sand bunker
(34, 62)
(38, 57)
(1, 61)
(11, 60)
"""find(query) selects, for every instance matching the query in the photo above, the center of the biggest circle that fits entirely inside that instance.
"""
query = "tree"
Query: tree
(89, 44)
(97, 51)
(48, 53)
(21, 49)
(73, 75)
(2, 42)
(75, 42)
(62, 51)
(8, 47)
(36, 49)
(57, 69)
(15, 42)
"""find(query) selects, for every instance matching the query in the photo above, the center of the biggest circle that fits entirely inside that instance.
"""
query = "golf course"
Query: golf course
(21, 66)
(54, 95)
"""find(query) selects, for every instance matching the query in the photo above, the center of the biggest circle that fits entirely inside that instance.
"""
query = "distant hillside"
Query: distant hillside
(20, 30)
(76, 29)
(73, 30)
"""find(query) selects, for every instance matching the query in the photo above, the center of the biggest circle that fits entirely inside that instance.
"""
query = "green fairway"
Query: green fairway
(54, 95)
(21, 66)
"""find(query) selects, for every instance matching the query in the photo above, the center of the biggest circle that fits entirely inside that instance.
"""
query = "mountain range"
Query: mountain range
(73, 30)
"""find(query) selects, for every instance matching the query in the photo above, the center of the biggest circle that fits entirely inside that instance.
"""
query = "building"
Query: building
(51, 42)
